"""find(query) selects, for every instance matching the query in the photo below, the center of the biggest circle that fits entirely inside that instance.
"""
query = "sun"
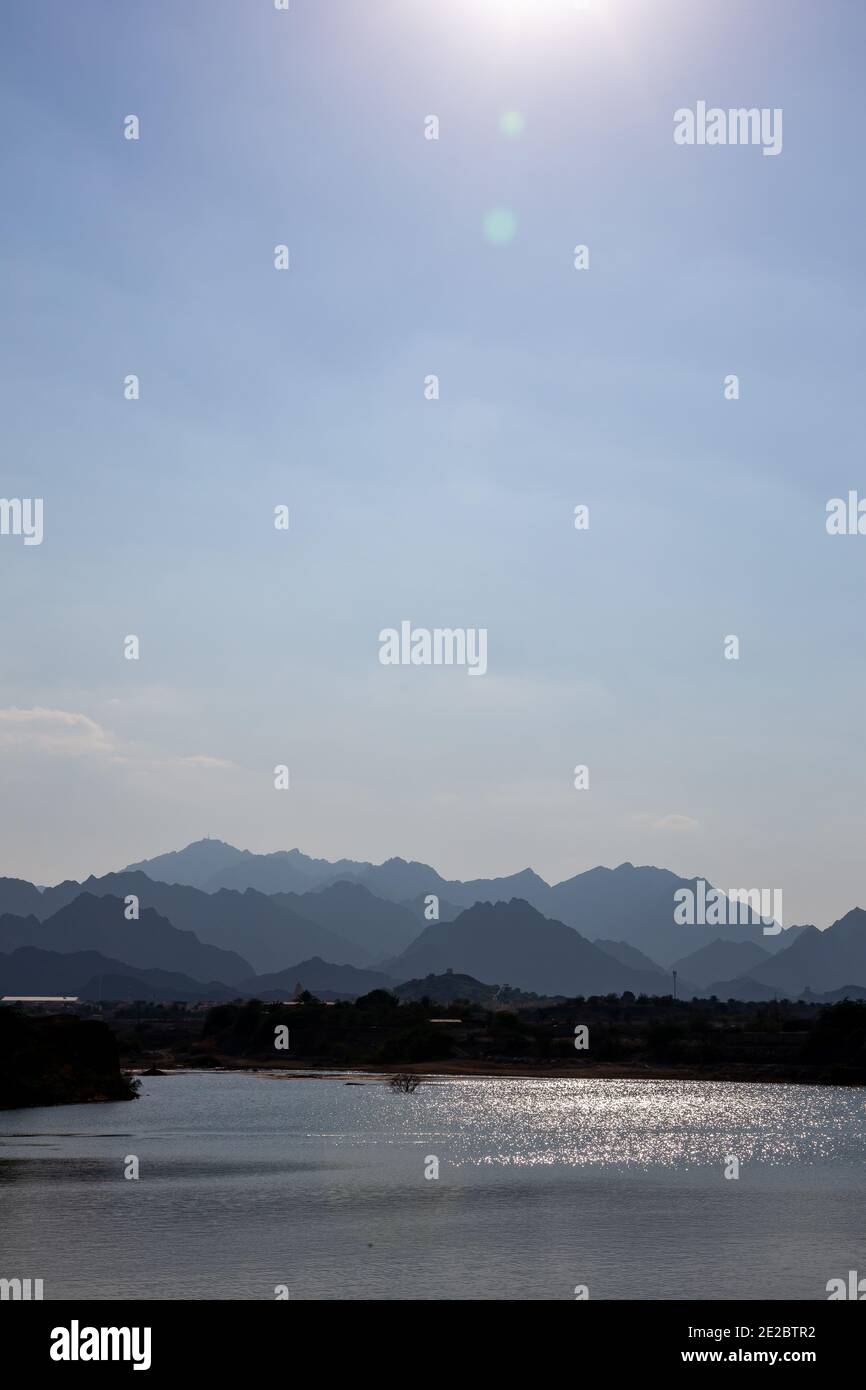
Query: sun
(553, 27)
(529, 8)
(524, 14)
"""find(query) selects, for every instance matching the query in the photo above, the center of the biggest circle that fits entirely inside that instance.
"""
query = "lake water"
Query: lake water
(248, 1182)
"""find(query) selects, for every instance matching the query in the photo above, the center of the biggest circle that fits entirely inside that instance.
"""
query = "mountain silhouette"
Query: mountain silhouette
(636, 905)
(194, 865)
(630, 955)
(287, 871)
(381, 928)
(20, 898)
(820, 961)
(213, 864)
(90, 975)
(720, 960)
(320, 977)
(512, 942)
(266, 931)
(91, 923)
(449, 988)
(622, 925)
(632, 904)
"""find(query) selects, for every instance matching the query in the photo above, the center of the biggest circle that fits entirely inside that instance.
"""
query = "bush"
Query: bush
(839, 1035)
(405, 1081)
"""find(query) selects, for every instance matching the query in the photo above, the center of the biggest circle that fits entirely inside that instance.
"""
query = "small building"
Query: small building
(39, 999)
(41, 1003)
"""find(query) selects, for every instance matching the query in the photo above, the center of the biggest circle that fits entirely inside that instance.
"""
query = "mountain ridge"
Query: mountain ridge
(350, 913)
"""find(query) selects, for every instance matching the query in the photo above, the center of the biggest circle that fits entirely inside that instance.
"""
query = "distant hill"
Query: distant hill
(90, 975)
(378, 927)
(274, 908)
(743, 988)
(91, 923)
(636, 905)
(633, 904)
(289, 871)
(720, 960)
(401, 880)
(213, 864)
(525, 885)
(286, 871)
(194, 865)
(321, 978)
(398, 879)
(20, 898)
(833, 996)
(514, 943)
(630, 955)
(817, 960)
(266, 931)
(448, 988)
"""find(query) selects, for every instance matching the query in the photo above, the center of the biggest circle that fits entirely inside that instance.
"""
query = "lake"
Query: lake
(251, 1182)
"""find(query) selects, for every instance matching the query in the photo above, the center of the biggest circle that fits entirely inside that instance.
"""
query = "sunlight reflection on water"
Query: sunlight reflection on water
(248, 1181)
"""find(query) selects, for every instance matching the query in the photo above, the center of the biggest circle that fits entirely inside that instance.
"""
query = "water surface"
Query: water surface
(250, 1182)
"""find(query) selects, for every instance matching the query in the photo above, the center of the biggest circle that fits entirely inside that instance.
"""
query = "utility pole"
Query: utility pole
(675, 984)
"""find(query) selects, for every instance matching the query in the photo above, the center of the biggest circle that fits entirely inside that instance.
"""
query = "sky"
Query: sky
(558, 387)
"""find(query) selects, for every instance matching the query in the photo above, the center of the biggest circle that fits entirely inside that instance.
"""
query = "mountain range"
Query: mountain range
(90, 975)
(628, 903)
(213, 917)
(91, 923)
(530, 951)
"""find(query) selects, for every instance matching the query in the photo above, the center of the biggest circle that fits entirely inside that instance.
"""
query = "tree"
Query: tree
(405, 1081)
(377, 999)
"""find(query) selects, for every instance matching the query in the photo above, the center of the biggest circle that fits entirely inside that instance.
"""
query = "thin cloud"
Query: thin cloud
(676, 823)
(68, 733)
(56, 731)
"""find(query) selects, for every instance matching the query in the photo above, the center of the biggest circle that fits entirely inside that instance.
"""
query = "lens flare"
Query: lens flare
(500, 226)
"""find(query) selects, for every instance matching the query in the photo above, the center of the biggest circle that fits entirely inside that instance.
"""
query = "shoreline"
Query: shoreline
(732, 1073)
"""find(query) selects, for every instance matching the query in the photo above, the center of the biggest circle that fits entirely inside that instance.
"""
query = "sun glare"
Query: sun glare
(532, 9)
(530, 16)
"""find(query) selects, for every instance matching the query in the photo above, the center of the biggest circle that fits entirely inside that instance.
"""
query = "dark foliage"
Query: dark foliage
(58, 1060)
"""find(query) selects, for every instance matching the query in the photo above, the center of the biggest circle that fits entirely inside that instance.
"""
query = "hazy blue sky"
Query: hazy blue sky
(558, 387)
